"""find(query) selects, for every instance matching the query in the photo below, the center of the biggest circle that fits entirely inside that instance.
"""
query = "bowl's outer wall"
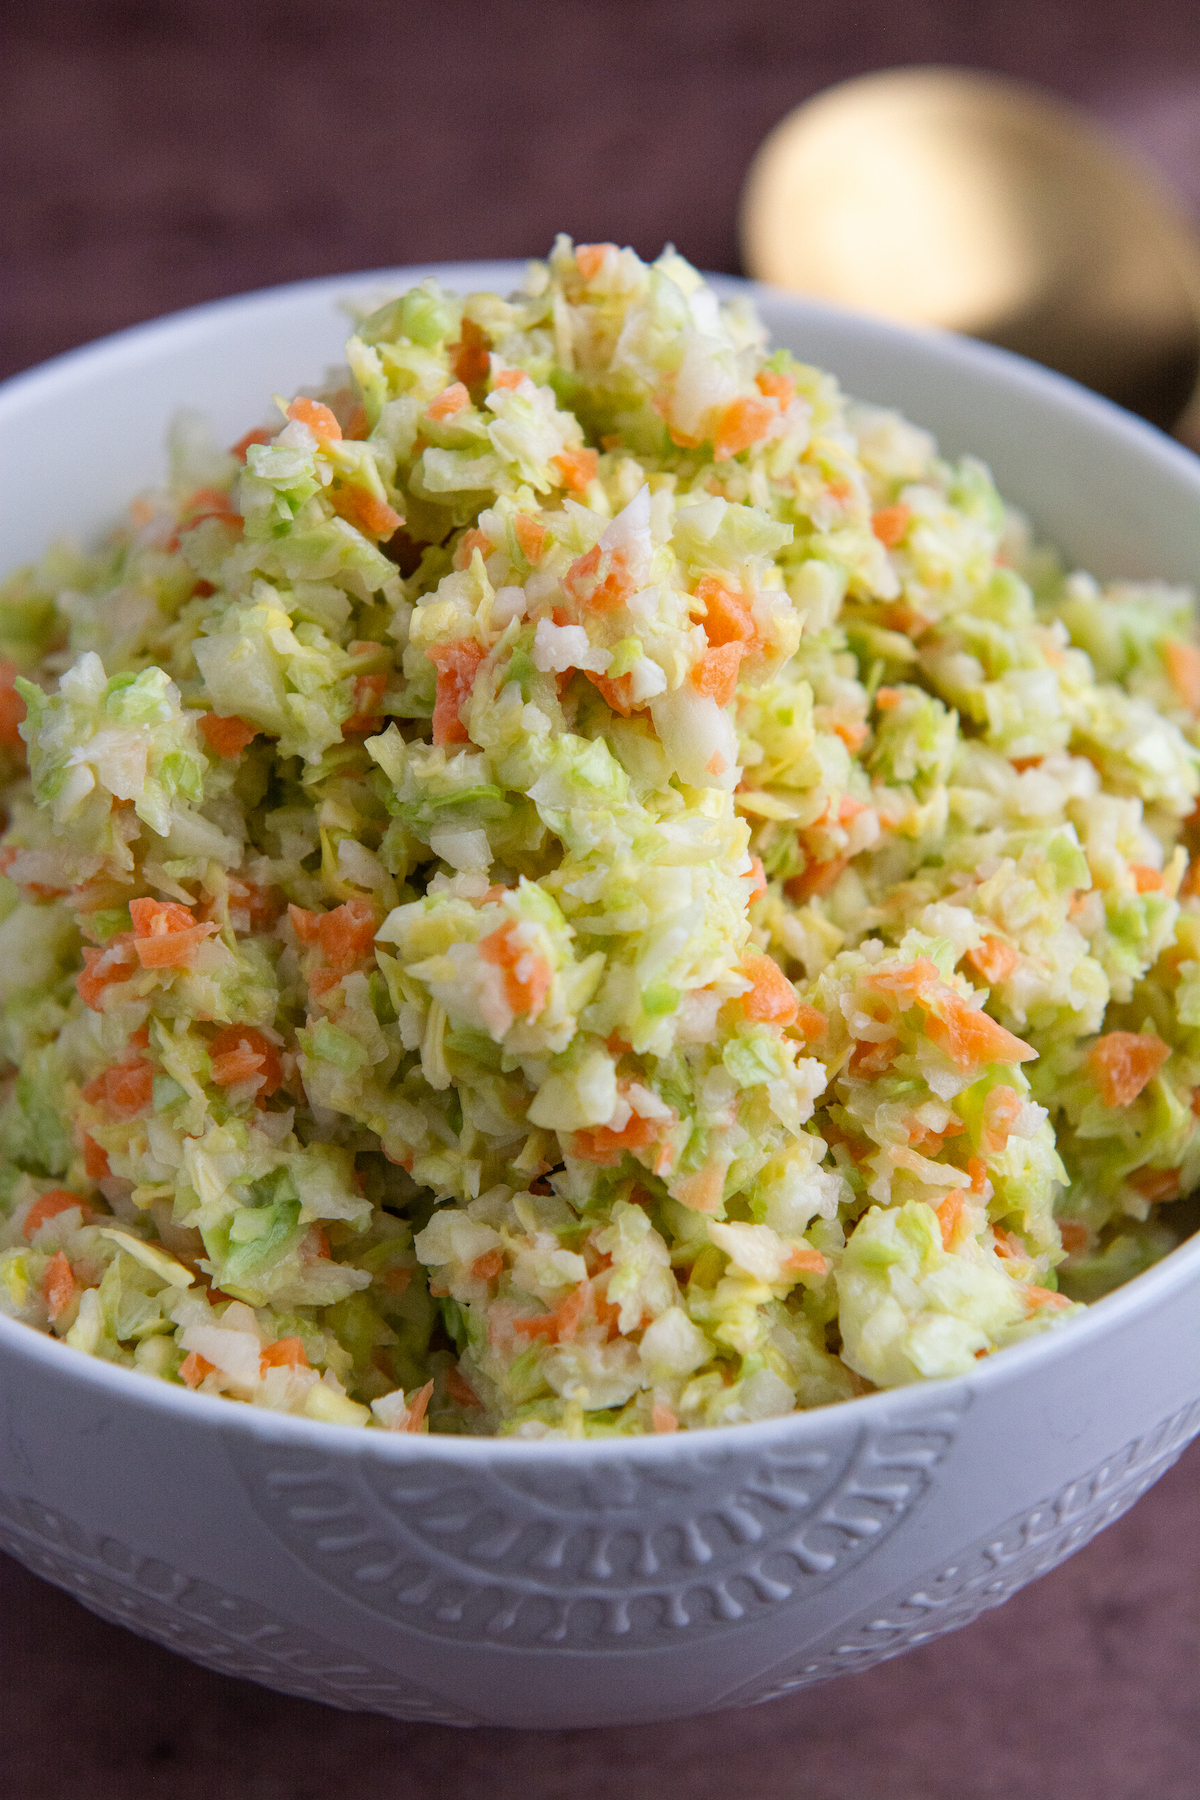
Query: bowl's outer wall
(588, 1584)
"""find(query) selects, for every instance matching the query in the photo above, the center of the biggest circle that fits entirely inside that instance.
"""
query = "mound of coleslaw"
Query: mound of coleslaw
(578, 882)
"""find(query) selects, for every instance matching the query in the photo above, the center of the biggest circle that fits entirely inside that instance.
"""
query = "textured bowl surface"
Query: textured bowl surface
(554, 1584)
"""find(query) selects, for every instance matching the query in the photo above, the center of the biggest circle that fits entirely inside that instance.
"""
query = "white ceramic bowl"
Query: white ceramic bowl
(554, 1584)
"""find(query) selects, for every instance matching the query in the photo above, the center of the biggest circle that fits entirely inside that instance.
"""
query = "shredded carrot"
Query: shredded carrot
(461, 1390)
(1001, 1110)
(873, 1058)
(241, 1053)
(1145, 879)
(365, 511)
(129, 1088)
(1183, 671)
(771, 997)
(319, 419)
(95, 1161)
(12, 707)
(776, 387)
(468, 544)
(457, 665)
(260, 435)
(853, 733)
(910, 983)
(347, 934)
(451, 400)
(469, 358)
(1074, 1236)
(618, 693)
(530, 534)
(527, 975)
(207, 503)
(58, 1200)
(812, 1024)
(662, 1418)
(590, 259)
(887, 698)
(194, 1368)
(757, 879)
(742, 423)
(155, 918)
(596, 592)
(226, 737)
(1156, 1184)
(702, 1192)
(577, 468)
(715, 676)
(816, 878)
(305, 924)
(488, 1266)
(805, 1259)
(509, 378)
(284, 1353)
(601, 1144)
(357, 423)
(727, 616)
(368, 692)
(417, 1407)
(993, 959)
(971, 1039)
(166, 935)
(1123, 1062)
(890, 524)
(1038, 1297)
(951, 1217)
(58, 1285)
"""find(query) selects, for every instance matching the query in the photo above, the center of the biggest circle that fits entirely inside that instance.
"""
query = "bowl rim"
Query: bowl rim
(885, 1408)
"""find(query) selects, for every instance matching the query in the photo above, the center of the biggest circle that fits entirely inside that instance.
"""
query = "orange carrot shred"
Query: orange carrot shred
(993, 959)
(58, 1200)
(590, 259)
(319, 419)
(530, 535)
(58, 1285)
(284, 1353)
(457, 665)
(771, 998)
(12, 707)
(451, 400)
(742, 423)
(950, 1217)
(1183, 671)
(777, 387)
(227, 737)
(1001, 1110)
(727, 616)
(1122, 1063)
(417, 1407)
(577, 468)
(715, 676)
(890, 524)
(194, 1368)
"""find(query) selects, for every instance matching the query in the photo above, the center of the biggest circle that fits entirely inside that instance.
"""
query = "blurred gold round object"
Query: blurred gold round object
(956, 198)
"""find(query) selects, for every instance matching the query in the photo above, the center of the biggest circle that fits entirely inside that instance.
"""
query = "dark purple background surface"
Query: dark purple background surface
(155, 153)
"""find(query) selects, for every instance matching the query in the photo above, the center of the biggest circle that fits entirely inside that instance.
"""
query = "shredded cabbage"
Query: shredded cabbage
(581, 883)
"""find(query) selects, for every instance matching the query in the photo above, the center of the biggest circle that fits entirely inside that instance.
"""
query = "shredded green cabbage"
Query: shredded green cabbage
(580, 883)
